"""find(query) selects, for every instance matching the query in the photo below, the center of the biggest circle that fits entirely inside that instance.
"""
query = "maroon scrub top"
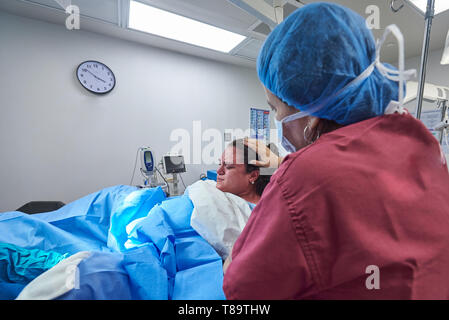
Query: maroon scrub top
(374, 193)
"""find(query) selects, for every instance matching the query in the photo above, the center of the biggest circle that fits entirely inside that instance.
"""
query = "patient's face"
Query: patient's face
(231, 174)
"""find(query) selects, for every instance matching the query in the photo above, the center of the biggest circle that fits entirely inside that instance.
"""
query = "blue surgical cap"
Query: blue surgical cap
(314, 53)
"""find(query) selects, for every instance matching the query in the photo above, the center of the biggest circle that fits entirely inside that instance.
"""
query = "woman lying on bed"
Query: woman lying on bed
(222, 209)
(236, 175)
(146, 245)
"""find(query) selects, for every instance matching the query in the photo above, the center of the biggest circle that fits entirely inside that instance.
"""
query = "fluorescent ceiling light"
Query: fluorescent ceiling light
(440, 5)
(145, 18)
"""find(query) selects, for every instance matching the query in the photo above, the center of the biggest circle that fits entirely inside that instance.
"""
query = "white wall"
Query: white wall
(60, 142)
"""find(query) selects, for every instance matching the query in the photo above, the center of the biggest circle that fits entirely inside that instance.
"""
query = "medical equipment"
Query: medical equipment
(146, 157)
(425, 54)
(148, 170)
(444, 124)
(431, 92)
(174, 165)
(436, 120)
(428, 8)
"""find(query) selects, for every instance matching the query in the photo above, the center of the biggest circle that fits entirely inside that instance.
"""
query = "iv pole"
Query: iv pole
(430, 12)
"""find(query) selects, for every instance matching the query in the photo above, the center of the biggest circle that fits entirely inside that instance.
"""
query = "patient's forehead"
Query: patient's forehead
(232, 155)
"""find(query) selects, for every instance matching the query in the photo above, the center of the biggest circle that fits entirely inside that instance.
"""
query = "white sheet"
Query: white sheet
(56, 281)
(219, 217)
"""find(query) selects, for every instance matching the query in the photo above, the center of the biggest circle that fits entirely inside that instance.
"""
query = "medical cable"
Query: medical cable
(168, 187)
(182, 180)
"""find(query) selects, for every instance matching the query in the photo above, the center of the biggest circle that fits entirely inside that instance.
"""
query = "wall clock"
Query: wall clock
(95, 77)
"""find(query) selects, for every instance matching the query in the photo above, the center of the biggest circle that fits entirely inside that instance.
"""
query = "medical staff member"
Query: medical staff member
(360, 208)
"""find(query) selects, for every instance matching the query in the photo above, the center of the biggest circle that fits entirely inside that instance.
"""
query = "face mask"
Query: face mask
(287, 145)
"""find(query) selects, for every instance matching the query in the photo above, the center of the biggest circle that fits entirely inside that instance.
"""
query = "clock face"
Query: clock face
(95, 77)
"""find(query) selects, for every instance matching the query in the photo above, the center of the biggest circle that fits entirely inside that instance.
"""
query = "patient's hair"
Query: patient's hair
(248, 155)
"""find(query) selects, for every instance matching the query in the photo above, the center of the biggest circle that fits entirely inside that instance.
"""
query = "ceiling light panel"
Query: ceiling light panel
(159, 22)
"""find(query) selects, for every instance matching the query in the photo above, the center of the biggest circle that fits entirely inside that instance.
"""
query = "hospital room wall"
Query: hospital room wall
(60, 142)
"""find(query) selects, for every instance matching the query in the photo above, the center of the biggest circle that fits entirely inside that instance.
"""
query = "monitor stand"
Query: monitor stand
(175, 184)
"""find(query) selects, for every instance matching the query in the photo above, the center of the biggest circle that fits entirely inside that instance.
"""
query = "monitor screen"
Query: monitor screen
(174, 164)
(148, 157)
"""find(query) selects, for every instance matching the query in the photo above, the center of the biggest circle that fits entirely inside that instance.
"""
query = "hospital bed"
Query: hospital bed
(122, 242)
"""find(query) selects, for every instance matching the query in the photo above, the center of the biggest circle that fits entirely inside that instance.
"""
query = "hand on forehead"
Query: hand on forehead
(232, 155)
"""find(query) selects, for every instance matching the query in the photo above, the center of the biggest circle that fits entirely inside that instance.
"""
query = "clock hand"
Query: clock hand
(95, 75)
